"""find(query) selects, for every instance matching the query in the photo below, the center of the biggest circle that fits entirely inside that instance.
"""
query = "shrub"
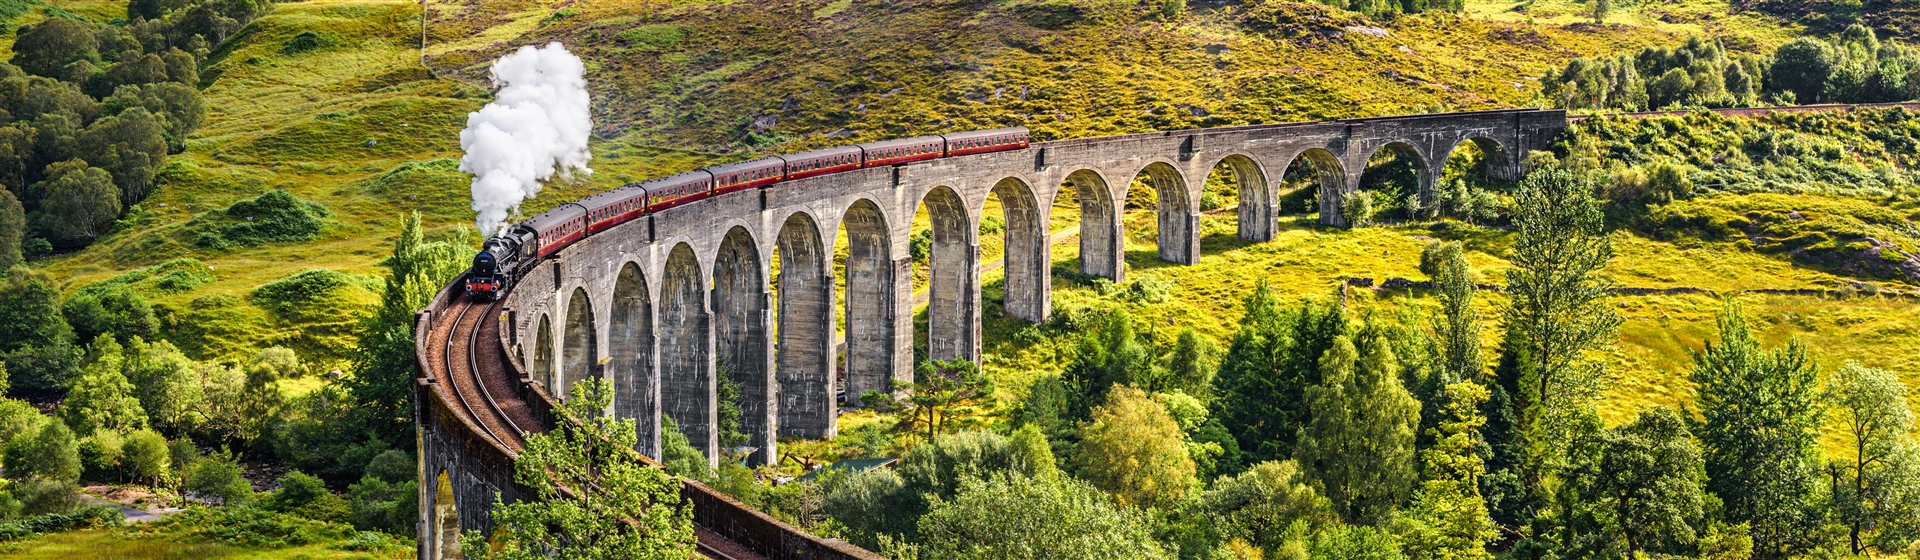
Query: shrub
(274, 217)
(245, 526)
(392, 466)
(48, 454)
(40, 496)
(145, 457)
(217, 477)
(288, 295)
(379, 505)
(101, 453)
(85, 518)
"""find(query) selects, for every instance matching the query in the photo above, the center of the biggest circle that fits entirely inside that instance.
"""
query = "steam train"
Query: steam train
(511, 253)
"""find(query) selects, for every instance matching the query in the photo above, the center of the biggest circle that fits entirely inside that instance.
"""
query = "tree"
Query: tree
(1877, 488)
(1448, 519)
(941, 385)
(1761, 414)
(49, 454)
(1600, 9)
(1108, 354)
(1557, 312)
(146, 458)
(383, 366)
(13, 227)
(1802, 66)
(81, 202)
(1641, 486)
(1135, 450)
(632, 510)
(116, 311)
(217, 476)
(46, 48)
(1259, 505)
(129, 146)
(30, 311)
(1457, 327)
(1360, 441)
(1269, 364)
(102, 398)
(1015, 517)
(167, 384)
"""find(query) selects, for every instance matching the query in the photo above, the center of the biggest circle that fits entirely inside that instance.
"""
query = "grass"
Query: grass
(113, 543)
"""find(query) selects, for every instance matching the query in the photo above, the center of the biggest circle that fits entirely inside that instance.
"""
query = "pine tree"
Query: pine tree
(1360, 441)
(1267, 368)
(1449, 517)
(1761, 412)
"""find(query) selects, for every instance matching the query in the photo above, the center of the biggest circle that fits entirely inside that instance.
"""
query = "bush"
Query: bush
(101, 453)
(40, 496)
(50, 454)
(245, 526)
(305, 495)
(392, 466)
(86, 518)
(145, 458)
(119, 311)
(288, 295)
(217, 477)
(274, 217)
(380, 505)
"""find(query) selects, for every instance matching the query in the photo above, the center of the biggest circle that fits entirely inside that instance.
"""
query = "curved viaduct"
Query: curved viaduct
(667, 304)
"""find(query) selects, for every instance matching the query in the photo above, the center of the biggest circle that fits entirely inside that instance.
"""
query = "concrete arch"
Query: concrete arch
(1422, 163)
(741, 317)
(1330, 182)
(871, 300)
(1179, 223)
(445, 531)
(954, 279)
(579, 347)
(686, 351)
(1258, 211)
(630, 352)
(1101, 249)
(1027, 252)
(804, 357)
(542, 366)
(1498, 160)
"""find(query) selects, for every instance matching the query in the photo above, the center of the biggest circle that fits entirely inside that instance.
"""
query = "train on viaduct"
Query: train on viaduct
(665, 304)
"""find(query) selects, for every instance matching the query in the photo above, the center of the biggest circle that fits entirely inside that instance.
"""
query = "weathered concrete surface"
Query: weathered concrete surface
(708, 266)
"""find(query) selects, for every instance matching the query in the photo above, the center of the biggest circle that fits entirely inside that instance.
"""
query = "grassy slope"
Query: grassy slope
(110, 543)
(677, 83)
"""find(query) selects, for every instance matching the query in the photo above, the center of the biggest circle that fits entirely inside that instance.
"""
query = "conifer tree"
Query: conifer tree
(1360, 441)
(1449, 517)
(1761, 414)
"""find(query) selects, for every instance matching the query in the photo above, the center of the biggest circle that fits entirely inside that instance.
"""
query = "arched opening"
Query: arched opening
(944, 256)
(579, 355)
(630, 349)
(542, 365)
(1083, 206)
(740, 344)
(1311, 185)
(804, 358)
(1158, 197)
(446, 520)
(869, 289)
(1472, 180)
(1236, 189)
(1014, 240)
(686, 345)
(1394, 185)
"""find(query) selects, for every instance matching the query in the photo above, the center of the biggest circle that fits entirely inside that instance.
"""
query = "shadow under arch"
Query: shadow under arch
(630, 349)
(1486, 157)
(1100, 246)
(1027, 252)
(1256, 211)
(740, 317)
(953, 280)
(542, 366)
(1314, 181)
(871, 302)
(1178, 225)
(579, 351)
(445, 524)
(686, 351)
(1387, 174)
(804, 356)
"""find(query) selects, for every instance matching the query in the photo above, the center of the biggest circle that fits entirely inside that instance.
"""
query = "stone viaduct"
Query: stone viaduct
(666, 305)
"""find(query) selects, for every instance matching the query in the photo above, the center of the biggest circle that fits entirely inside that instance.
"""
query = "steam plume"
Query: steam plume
(536, 125)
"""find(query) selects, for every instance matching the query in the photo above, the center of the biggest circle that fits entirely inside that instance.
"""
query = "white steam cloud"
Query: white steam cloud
(536, 125)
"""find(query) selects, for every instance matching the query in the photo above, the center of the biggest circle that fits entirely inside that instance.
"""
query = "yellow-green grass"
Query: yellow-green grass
(111, 543)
